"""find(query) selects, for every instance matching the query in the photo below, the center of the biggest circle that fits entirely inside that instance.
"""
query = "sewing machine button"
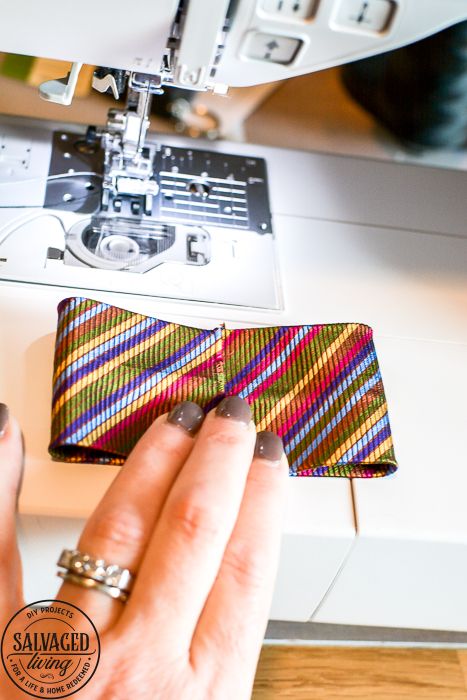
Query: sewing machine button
(366, 16)
(272, 48)
(297, 9)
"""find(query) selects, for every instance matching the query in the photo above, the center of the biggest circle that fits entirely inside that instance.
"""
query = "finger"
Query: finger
(234, 619)
(119, 529)
(11, 472)
(186, 549)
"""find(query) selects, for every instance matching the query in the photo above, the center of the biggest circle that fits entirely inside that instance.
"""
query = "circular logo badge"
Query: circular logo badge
(50, 648)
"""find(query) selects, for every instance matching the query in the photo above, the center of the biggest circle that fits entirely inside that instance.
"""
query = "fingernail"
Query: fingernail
(187, 415)
(234, 407)
(269, 446)
(3, 419)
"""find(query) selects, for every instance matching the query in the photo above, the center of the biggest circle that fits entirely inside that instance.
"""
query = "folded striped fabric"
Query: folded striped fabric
(318, 387)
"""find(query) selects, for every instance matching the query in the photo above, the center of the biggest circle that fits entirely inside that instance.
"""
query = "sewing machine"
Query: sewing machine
(198, 232)
(140, 205)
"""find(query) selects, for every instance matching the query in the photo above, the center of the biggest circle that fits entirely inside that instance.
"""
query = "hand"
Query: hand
(195, 514)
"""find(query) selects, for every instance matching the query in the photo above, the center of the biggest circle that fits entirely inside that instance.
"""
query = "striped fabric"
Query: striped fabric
(319, 387)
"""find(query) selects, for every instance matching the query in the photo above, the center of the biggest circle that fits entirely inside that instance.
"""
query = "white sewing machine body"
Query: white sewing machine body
(356, 239)
(233, 37)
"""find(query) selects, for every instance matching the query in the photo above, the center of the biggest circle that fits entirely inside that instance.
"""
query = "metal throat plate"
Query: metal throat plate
(198, 187)
(213, 208)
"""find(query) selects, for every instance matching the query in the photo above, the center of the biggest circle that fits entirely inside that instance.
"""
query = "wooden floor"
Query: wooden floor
(307, 673)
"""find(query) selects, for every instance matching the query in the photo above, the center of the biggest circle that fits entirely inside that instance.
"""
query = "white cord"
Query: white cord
(17, 224)
(51, 177)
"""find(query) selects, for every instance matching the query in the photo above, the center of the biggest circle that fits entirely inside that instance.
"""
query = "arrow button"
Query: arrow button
(296, 9)
(272, 48)
(366, 16)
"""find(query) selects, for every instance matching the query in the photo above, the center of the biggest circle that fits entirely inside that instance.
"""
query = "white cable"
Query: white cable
(52, 177)
(16, 225)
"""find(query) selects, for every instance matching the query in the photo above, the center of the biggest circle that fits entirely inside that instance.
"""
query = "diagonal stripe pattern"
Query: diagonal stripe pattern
(318, 387)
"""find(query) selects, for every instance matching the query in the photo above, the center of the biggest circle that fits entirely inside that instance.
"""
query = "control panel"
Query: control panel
(215, 44)
(275, 39)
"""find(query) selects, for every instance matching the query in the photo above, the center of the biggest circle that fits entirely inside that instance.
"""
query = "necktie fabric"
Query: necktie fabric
(318, 387)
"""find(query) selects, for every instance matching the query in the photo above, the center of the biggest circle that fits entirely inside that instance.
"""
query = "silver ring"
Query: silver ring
(91, 583)
(110, 577)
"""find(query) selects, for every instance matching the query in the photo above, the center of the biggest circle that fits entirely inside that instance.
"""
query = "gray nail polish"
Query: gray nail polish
(3, 419)
(269, 446)
(234, 407)
(187, 415)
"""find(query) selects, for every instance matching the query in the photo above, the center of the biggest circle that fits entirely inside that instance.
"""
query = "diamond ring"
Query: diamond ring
(89, 572)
